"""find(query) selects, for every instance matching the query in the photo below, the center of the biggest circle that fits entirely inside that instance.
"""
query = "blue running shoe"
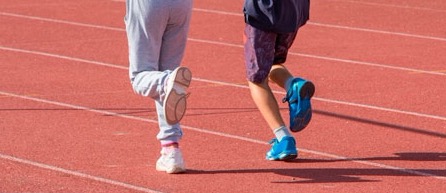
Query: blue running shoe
(283, 150)
(298, 97)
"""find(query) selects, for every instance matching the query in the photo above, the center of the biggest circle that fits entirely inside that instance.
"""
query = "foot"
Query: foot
(283, 150)
(299, 99)
(175, 101)
(171, 161)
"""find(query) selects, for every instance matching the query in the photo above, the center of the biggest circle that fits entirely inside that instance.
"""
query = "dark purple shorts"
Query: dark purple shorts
(264, 49)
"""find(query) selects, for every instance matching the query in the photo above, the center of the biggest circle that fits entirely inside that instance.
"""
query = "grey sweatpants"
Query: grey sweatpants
(157, 34)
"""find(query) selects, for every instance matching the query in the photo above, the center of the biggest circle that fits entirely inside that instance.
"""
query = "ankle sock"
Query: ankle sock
(288, 83)
(281, 132)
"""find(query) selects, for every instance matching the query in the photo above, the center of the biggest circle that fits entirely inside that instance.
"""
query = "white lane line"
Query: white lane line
(332, 25)
(384, 5)
(229, 84)
(216, 133)
(76, 173)
(338, 26)
(412, 70)
(357, 2)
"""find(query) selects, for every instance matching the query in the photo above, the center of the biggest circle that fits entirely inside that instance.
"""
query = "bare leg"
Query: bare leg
(279, 75)
(264, 98)
(266, 103)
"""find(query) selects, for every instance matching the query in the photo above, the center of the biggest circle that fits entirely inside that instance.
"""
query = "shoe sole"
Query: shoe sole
(303, 118)
(287, 157)
(283, 157)
(174, 170)
(288, 144)
(175, 103)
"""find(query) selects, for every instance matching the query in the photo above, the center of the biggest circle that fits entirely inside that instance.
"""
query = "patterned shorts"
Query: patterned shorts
(264, 49)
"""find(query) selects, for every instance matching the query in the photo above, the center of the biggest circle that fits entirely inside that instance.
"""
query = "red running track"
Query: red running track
(70, 122)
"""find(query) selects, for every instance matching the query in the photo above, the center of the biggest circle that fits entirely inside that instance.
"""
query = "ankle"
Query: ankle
(288, 83)
(170, 145)
(282, 132)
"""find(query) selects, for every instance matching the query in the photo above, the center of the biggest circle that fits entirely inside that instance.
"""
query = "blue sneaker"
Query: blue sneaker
(298, 97)
(283, 150)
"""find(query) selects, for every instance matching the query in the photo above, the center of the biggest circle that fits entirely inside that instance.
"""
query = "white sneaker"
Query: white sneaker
(171, 161)
(175, 101)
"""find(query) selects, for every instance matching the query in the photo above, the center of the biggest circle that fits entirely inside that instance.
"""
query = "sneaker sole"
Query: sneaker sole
(283, 157)
(177, 170)
(287, 157)
(174, 170)
(304, 117)
(175, 103)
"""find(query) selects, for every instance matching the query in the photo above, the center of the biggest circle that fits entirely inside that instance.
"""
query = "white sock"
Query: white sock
(281, 132)
(288, 83)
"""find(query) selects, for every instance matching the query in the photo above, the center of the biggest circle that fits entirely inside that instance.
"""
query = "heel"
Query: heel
(307, 90)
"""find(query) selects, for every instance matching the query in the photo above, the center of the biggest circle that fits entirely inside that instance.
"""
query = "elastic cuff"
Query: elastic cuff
(168, 143)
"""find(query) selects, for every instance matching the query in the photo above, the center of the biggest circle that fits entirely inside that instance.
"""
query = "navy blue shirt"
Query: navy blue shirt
(280, 16)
